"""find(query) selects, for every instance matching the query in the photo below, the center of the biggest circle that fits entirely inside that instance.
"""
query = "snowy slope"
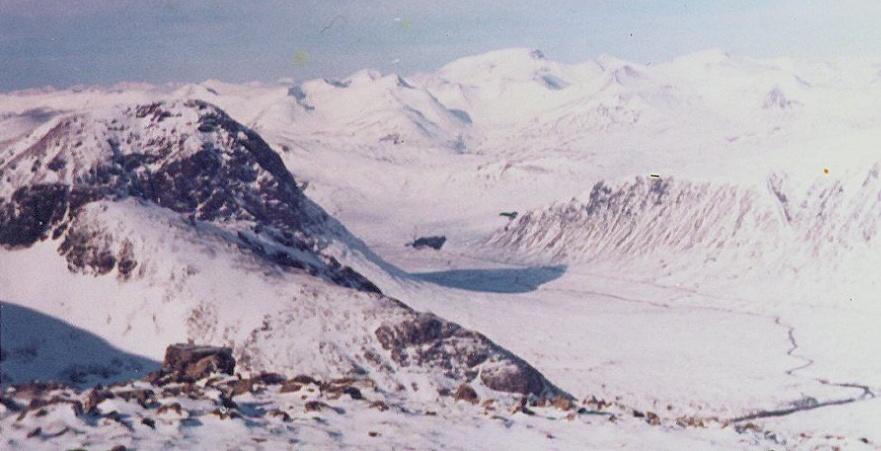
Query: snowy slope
(739, 284)
(194, 221)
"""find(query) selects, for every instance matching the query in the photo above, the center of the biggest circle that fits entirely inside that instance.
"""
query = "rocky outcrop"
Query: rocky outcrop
(514, 377)
(434, 242)
(189, 157)
(193, 362)
(463, 355)
(31, 213)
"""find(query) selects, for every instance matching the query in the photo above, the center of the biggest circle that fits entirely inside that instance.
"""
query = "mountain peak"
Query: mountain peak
(703, 59)
(506, 63)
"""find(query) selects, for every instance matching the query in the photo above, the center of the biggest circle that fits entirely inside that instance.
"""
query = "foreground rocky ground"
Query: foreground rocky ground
(198, 399)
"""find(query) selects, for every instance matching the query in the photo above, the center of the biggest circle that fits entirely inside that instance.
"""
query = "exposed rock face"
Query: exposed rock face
(31, 212)
(716, 221)
(425, 339)
(513, 378)
(189, 157)
(196, 361)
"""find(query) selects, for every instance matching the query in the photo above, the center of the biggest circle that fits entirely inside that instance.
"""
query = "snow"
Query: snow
(711, 302)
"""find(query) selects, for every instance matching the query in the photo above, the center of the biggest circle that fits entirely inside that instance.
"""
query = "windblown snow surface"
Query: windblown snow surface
(694, 242)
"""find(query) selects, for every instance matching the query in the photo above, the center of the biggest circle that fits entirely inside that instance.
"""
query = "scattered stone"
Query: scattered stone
(290, 387)
(638, 414)
(521, 407)
(298, 382)
(598, 404)
(741, 428)
(156, 378)
(373, 434)
(652, 419)
(35, 432)
(315, 406)
(223, 413)
(172, 391)
(466, 393)
(303, 379)
(173, 407)
(563, 403)
(343, 381)
(10, 404)
(149, 422)
(37, 406)
(685, 421)
(334, 392)
(192, 391)
(226, 402)
(353, 393)
(212, 381)
(277, 413)
(144, 397)
(96, 396)
(119, 448)
(269, 378)
(241, 387)
(379, 405)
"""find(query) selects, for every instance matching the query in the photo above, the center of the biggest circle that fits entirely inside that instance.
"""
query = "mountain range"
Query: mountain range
(600, 219)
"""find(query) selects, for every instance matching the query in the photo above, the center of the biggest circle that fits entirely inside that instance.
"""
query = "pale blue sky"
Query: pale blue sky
(67, 42)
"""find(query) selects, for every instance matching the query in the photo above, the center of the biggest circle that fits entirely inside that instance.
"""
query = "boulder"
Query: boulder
(512, 378)
(434, 242)
(197, 361)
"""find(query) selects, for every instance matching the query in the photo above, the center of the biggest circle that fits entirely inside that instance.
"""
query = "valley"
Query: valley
(696, 239)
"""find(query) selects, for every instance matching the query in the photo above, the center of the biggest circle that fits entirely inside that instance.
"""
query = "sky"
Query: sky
(101, 42)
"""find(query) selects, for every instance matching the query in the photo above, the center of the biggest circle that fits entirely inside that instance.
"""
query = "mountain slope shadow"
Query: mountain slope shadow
(496, 280)
(35, 346)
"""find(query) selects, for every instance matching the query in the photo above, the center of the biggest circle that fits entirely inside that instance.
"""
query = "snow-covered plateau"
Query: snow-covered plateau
(676, 256)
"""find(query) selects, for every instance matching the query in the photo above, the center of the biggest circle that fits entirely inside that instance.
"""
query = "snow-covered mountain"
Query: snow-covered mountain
(169, 222)
(651, 217)
(695, 239)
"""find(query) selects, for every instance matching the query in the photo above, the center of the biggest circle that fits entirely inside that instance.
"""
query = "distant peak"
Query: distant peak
(514, 63)
(364, 76)
(710, 56)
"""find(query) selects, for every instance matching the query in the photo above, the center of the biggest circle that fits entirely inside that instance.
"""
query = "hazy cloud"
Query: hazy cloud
(64, 42)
